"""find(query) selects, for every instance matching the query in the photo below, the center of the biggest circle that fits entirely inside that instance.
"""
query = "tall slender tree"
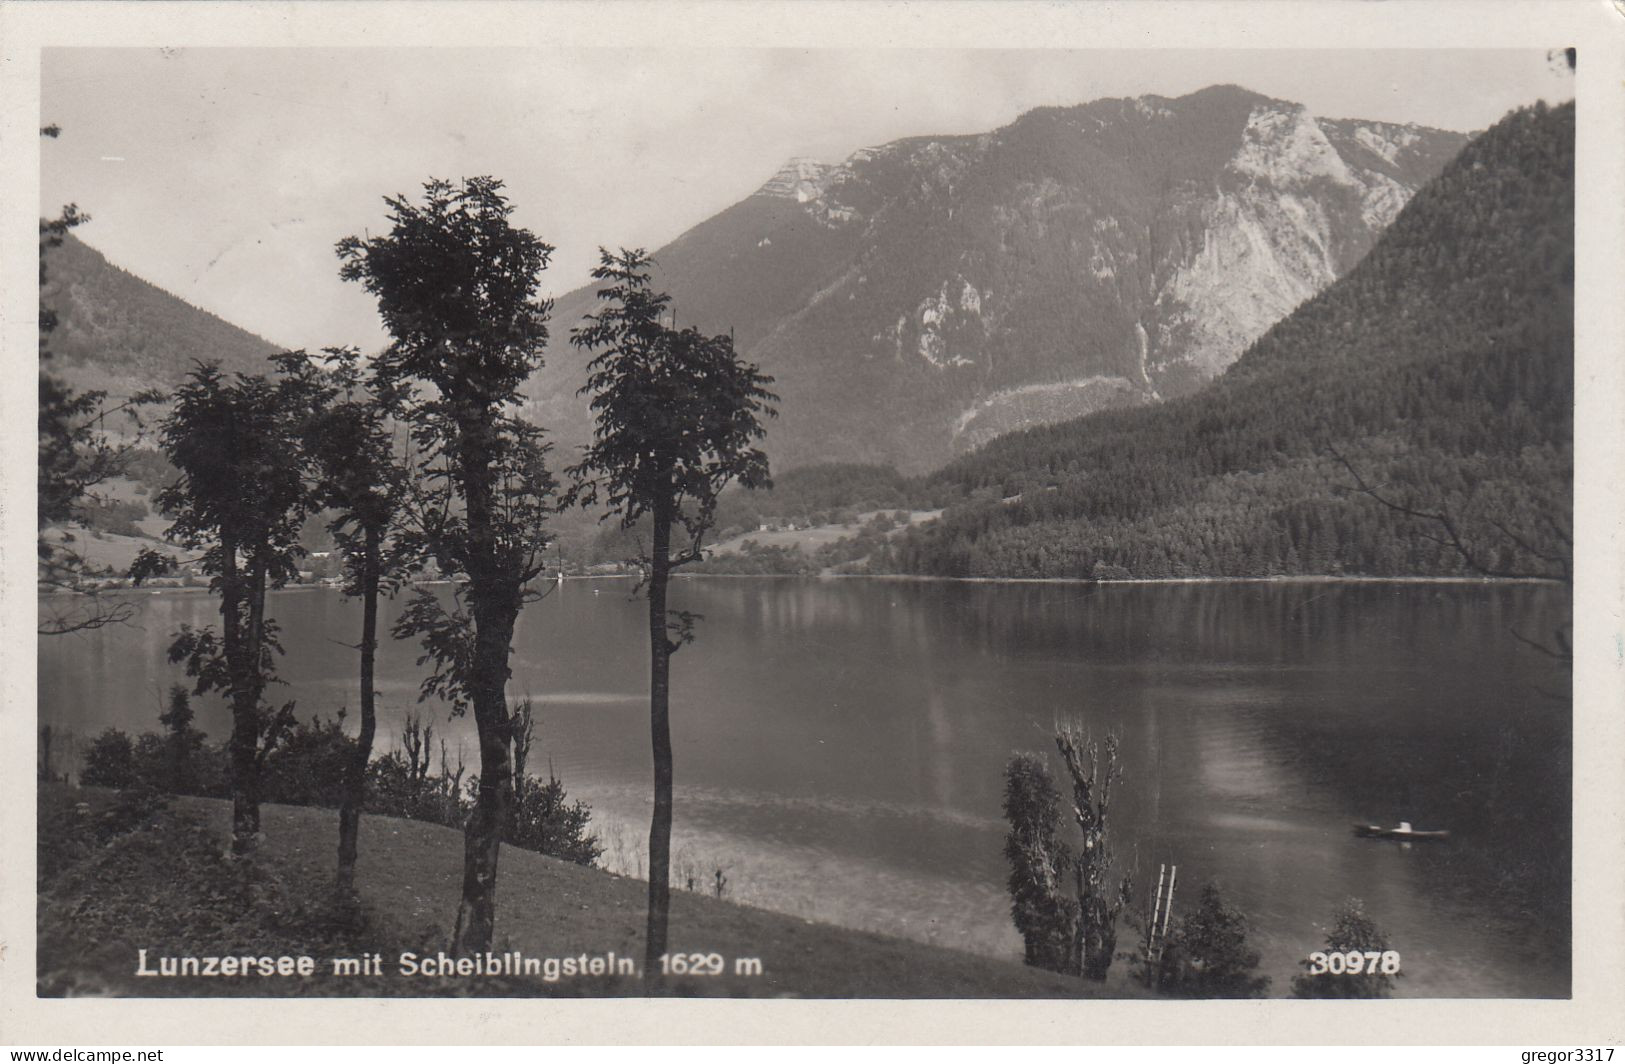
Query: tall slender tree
(1039, 860)
(456, 284)
(678, 414)
(363, 484)
(1095, 770)
(241, 498)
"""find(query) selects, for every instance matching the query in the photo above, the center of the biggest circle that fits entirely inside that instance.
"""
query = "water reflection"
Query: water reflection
(839, 744)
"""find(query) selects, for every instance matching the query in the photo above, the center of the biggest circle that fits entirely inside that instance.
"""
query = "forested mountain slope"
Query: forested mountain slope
(1441, 368)
(118, 333)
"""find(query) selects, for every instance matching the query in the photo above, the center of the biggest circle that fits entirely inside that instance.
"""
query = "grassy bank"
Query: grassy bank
(123, 876)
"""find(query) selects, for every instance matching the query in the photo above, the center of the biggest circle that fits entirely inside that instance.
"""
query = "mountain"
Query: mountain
(1440, 368)
(922, 297)
(118, 333)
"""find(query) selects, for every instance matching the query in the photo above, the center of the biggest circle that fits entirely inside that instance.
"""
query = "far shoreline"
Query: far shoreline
(908, 578)
(1089, 581)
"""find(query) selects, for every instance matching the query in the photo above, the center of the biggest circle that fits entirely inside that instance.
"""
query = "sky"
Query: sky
(226, 175)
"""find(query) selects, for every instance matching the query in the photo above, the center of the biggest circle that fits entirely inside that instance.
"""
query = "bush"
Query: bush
(545, 822)
(1352, 930)
(308, 767)
(395, 789)
(110, 761)
(1207, 955)
(178, 761)
(542, 817)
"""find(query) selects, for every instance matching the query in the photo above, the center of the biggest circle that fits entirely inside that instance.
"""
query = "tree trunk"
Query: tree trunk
(355, 783)
(245, 793)
(660, 742)
(1100, 940)
(241, 652)
(482, 834)
(495, 597)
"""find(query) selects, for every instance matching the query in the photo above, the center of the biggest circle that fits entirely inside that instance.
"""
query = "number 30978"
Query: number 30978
(1355, 962)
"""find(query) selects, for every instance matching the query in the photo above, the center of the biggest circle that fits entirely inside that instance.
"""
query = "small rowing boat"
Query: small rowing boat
(1404, 832)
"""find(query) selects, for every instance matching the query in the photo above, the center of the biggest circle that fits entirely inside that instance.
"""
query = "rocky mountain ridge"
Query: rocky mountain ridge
(921, 297)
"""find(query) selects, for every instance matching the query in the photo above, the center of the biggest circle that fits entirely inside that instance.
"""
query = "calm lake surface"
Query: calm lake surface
(840, 745)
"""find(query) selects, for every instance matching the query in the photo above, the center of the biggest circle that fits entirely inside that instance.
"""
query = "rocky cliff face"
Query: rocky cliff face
(923, 296)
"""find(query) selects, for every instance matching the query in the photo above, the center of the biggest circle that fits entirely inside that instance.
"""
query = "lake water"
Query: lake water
(840, 744)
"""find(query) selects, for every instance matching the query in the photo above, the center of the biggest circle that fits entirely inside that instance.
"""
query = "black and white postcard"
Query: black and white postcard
(1105, 505)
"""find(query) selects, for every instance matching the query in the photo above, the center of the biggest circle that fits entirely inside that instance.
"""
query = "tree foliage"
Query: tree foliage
(359, 478)
(311, 765)
(678, 414)
(109, 760)
(1207, 955)
(240, 498)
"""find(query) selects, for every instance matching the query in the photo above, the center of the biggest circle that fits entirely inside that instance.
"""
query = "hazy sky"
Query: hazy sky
(227, 175)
